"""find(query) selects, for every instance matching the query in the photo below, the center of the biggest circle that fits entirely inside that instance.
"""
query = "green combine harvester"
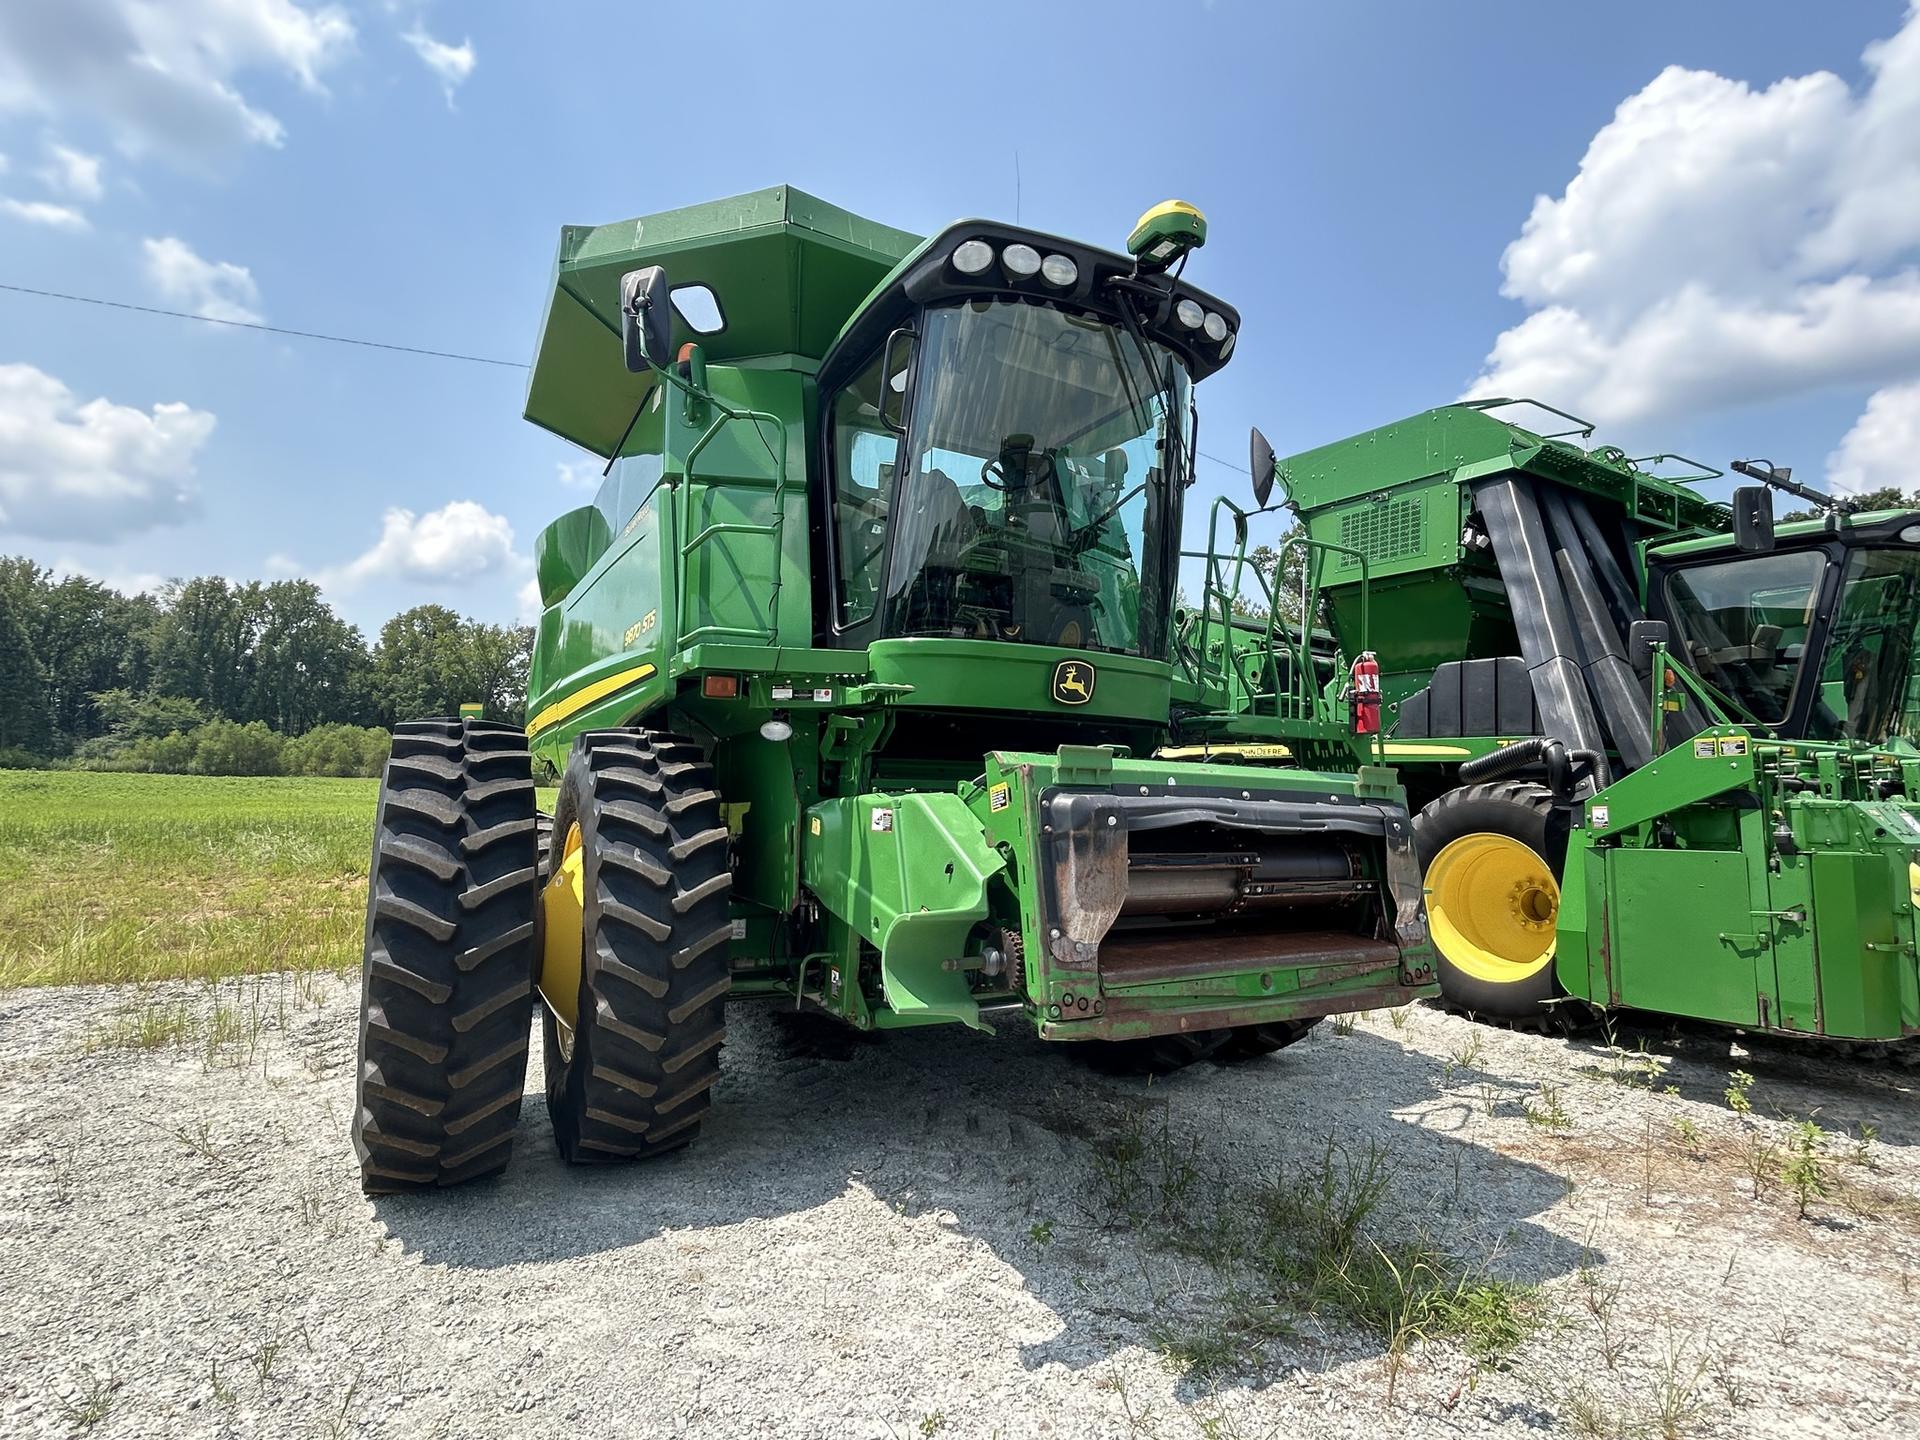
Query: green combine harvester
(1657, 742)
(858, 674)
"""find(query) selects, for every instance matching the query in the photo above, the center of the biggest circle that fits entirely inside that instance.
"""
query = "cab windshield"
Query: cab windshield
(1745, 626)
(1037, 503)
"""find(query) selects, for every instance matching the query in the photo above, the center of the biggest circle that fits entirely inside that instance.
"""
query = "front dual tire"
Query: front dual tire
(635, 951)
(627, 908)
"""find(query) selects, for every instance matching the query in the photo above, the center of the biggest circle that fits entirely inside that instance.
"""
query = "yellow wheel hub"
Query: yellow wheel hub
(1492, 904)
(563, 906)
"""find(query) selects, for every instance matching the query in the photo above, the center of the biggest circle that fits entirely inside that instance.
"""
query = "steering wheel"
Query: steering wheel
(989, 470)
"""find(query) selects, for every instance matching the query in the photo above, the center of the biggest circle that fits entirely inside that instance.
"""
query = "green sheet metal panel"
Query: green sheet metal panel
(785, 268)
(1683, 936)
(908, 873)
(1859, 956)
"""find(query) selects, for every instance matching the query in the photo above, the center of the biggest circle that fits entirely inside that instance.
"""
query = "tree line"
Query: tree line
(230, 678)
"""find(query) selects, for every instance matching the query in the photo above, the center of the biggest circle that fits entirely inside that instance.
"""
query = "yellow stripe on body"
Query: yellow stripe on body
(1408, 747)
(580, 699)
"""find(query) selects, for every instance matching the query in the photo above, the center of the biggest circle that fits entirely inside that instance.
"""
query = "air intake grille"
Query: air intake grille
(1391, 531)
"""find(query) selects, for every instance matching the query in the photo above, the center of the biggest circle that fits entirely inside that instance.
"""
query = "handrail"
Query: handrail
(1307, 695)
(1585, 430)
(1210, 586)
(775, 530)
(1701, 471)
(1222, 579)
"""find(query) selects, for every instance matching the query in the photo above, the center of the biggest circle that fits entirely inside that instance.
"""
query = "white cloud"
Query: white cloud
(165, 76)
(72, 172)
(92, 471)
(579, 474)
(460, 542)
(1722, 244)
(452, 63)
(1880, 448)
(217, 289)
(127, 582)
(44, 212)
(527, 602)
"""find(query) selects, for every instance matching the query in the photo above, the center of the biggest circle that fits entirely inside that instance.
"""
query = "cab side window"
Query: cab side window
(865, 453)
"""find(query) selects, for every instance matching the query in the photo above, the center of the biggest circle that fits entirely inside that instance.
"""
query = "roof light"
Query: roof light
(1216, 327)
(1021, 260)
(970, 257)
(1059, 270)
(1911, 534)
(1189, 314)
(1226, 347)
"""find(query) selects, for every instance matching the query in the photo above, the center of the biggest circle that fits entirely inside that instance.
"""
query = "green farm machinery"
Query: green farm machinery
(861, 675)
(1657, 743)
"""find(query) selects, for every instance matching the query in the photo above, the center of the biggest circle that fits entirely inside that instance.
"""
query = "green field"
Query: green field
(122, 878)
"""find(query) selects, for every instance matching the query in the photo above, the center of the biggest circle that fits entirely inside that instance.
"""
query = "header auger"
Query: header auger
(858, 673)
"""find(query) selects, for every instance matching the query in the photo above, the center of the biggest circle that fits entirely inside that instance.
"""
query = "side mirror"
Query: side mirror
(1260, 463)
(1753, 518)
(896, 368)
(646, 319)
(1642, 636)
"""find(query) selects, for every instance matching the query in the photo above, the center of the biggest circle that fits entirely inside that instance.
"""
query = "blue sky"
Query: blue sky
(1722, 264)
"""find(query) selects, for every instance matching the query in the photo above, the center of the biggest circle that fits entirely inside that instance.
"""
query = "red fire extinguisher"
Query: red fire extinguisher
(1363, 694)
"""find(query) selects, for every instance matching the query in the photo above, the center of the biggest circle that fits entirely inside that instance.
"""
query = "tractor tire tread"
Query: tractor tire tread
(447, 991)
(655, 968)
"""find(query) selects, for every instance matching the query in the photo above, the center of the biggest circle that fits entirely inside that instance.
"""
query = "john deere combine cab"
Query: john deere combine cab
(1661, 746)
(856, 675)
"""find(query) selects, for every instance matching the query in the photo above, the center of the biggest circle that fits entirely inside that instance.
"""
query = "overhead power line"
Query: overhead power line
(1237, 469)
(337, 339)
(269, 329)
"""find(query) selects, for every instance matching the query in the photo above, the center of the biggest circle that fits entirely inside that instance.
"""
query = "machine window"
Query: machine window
(1744, 625)
(1868, 666)
(865, 453)
(1039, 499)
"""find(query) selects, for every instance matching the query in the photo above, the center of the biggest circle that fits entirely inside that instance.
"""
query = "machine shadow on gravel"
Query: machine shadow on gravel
(1791, 1081)
(1001, 1135)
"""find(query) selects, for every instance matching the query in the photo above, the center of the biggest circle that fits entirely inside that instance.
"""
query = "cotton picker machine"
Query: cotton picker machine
(1662, 746)
(857, 675)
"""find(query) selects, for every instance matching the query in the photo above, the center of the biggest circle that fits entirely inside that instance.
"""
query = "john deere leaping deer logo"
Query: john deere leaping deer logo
(1073, 682)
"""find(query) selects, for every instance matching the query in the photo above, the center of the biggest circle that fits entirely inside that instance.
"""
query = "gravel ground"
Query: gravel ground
(920, 1237)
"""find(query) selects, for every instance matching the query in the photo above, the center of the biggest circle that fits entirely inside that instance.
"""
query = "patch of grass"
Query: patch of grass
(1762, 1157)
(223, 1026)
(157, 1026)
(1676, 1390)
(1468, 1056)
(125, 878)
(1549, 1111)
(1740, 1092)
(94, 1403)
(1314, 1239)
(1303, 1240)
(119, 879)
(1344, 1024)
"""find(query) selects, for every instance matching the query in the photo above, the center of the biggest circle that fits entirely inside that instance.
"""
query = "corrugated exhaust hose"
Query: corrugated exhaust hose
(1565, 768)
